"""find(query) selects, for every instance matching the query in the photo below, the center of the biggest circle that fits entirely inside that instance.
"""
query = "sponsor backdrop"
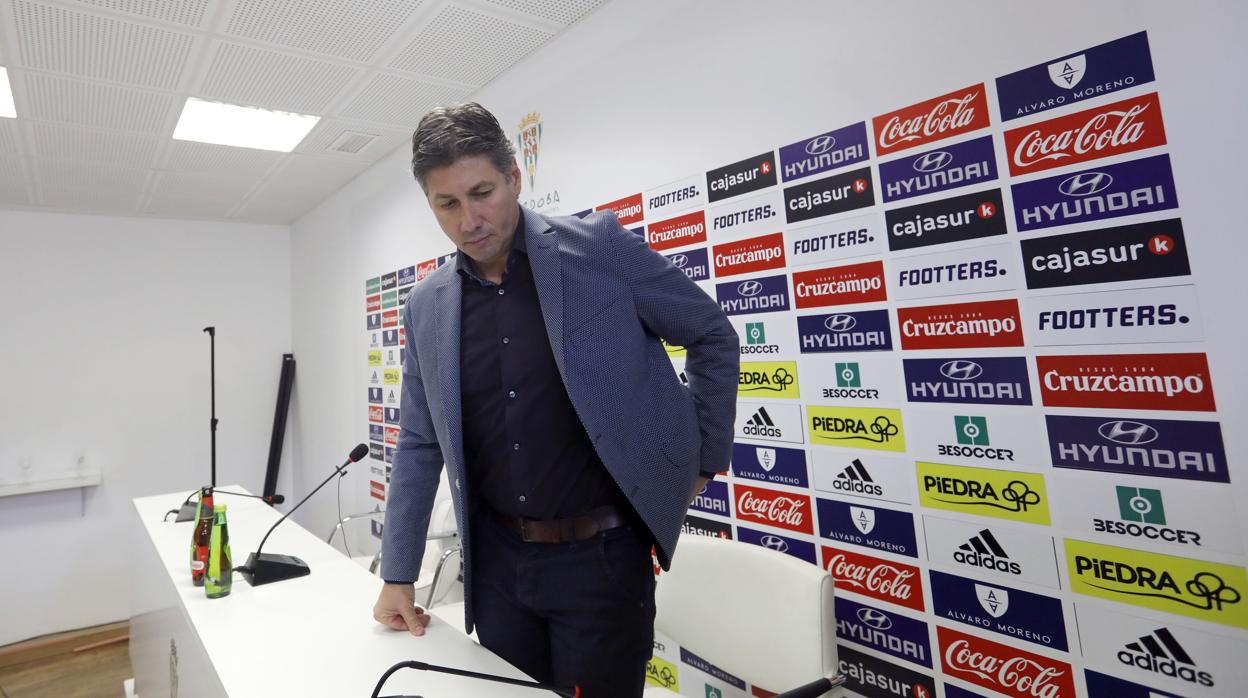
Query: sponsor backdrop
(974, 382)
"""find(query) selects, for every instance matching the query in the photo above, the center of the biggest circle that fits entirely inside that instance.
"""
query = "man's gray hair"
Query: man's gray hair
(449, 133)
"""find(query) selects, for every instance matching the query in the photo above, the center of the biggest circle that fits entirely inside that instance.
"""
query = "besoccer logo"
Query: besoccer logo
(972, 431)
(754, 333)
(712, 692)
(1140, 504)
(848, 376)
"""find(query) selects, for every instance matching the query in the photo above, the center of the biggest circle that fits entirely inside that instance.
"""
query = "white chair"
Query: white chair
(738, 605)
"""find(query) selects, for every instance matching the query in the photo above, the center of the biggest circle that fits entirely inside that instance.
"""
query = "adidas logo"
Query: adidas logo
(1162, 654)
(856, 480)
(984, 550)
(760, 424)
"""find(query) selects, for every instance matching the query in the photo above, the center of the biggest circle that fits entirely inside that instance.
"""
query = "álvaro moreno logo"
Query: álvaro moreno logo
(960, 111)
(894, 582)
(773, 508)
(1008, 670)
(1122, 127)
(1093, 72)
(1127, 381)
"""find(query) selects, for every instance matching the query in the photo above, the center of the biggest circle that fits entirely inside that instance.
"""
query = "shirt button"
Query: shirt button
(515, 447)
(500, 291)
(506, 340)
(522, 498)
(511, 394)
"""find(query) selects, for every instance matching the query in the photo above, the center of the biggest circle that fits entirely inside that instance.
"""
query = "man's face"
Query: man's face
(476, 206)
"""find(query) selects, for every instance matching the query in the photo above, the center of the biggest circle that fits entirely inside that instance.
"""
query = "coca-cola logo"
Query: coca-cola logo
(1004, 669)
(1107, 130)
(945, 116)
(877, 578)
(776, 509)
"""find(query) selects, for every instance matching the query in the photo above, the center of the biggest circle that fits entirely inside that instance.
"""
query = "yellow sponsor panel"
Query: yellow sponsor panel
(856, 427)
(391, 376)
(374, 358)
(1004, 494)
(673, 350)
(662, 674)
(768, 379)
(1194, 588)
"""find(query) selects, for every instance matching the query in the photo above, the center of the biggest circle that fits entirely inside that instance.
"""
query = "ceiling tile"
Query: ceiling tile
(94, 200)
(91, 104)
(70, 143)
(352, 29)
(13, 188)
(399, 101)
(328, 131)
(191, 156)
(87, 45)
(190, 206)
(74, 174)
(561, 12)
(256, 77)
(8, 139)
(467, 46)
(186, 12)
(210, 186)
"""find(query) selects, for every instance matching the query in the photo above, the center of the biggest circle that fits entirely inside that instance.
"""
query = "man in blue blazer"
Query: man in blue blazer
(534, 371)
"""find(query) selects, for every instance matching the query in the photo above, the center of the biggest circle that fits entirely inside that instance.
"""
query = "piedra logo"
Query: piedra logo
(857, 427)
(768, 379)
(662, 674)
(1004, 494)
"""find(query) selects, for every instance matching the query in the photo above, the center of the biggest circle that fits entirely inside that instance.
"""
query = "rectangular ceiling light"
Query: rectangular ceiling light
(6, 95)
(243, 127)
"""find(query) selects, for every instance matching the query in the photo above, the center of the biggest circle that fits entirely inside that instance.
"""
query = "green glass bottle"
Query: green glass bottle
(200, 536)
(219, 576)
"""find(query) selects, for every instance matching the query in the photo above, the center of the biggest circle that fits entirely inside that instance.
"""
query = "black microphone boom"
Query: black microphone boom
(264, 568)
(574, 692)
(814, 689)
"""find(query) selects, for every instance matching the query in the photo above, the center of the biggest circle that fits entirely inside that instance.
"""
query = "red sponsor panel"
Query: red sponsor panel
(772, 508)
(1127, 381)
(894, 582)
(753, 254)
(853, 283)
(402, 336)
(677, 232)
(392, 436)
(1004, 669)
(425, 268)
(960, 111)
(961, 325)
(376, 414)
(377, 490)
(627, 210)
(374, 303)
(390, 318)
(1121, 127)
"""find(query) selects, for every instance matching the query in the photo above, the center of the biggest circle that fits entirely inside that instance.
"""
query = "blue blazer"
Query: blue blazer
(606, 299)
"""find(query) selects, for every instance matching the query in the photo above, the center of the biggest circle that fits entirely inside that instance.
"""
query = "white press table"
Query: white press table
(310, 636)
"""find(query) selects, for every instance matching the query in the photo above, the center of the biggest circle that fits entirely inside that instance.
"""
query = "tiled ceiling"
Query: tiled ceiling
(99, 86)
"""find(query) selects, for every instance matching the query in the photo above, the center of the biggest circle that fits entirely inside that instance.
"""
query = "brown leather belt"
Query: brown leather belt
(564, 530)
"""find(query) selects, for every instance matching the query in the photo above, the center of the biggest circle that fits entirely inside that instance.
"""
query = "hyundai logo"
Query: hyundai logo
(680, 260)
(820, 144)
(775, 543)
(875, 619)
(1129, 433)
(840, 323)
(749, 288)
(930, 162)
(960, 370)
(1085, 183)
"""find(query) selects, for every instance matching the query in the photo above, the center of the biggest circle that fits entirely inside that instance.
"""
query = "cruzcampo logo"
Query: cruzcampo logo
(768, 379)
(528, 141)
(857, 427)
(972, 431)
(390, 376)
(848, 375)
(1194, 588)
(372, 286)
(1003, 494)
(755, 333)
(662, 674)
(1141, 505)
(672, 350)
(374, 358)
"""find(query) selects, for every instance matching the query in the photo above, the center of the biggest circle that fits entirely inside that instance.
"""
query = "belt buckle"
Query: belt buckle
(524, 530)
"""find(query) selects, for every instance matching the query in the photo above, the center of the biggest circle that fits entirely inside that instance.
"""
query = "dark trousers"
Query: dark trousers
(567, 614)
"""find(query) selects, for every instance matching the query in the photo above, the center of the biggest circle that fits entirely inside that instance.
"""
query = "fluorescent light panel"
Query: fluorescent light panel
(243, 127)
(6, 95)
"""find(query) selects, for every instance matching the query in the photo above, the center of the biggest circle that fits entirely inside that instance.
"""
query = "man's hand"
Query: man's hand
(698, 484)
(396, 609)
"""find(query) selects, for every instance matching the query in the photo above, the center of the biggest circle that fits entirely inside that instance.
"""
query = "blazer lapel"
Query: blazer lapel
(447, 335)
(542, 244)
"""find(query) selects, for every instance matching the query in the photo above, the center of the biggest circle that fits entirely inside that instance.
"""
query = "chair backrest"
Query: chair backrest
(756, 613)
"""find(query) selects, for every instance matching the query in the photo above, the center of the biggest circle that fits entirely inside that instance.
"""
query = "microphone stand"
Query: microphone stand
(574, 692)
(188, 511)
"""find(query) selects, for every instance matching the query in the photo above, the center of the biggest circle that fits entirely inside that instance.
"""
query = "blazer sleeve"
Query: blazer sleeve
(414, 474)
(673, 307)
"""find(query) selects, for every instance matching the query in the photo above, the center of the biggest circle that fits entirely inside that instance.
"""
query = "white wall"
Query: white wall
(103, 354)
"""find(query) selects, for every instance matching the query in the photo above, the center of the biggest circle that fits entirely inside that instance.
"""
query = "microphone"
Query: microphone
(574, 692)
(267, 499)
(814, 689)
(265, 568)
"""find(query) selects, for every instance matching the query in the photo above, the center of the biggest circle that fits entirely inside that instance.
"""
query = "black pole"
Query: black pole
(212, 372)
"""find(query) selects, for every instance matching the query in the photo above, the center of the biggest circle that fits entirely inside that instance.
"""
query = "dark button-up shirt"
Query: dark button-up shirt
(527, 452)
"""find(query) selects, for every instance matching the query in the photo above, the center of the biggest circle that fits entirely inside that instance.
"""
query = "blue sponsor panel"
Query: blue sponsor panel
(952, 691)
(867, 526)
(767, 294)
(949, 167)
(713, 499)
(392, 415)
(1016, 614)
(1157, 447)
(374, 396)
(1108, 191)
(706, 667)
(376, 432)
(863, 330)
(975, 381)
(407, 275)
(1103, 69)
(695, 263)
(582, 214)
(389, 455)
(799, 549)
(1106, 686)
(446, 258)
(827, 151)
(374, 321)
(390, 338)
(785, 466)
(884, 631)
(376, 451)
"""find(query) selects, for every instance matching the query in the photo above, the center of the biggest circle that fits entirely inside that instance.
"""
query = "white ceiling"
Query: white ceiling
(99, 86)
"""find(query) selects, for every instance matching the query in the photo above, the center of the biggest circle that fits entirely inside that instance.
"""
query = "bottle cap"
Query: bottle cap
(218, 507)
